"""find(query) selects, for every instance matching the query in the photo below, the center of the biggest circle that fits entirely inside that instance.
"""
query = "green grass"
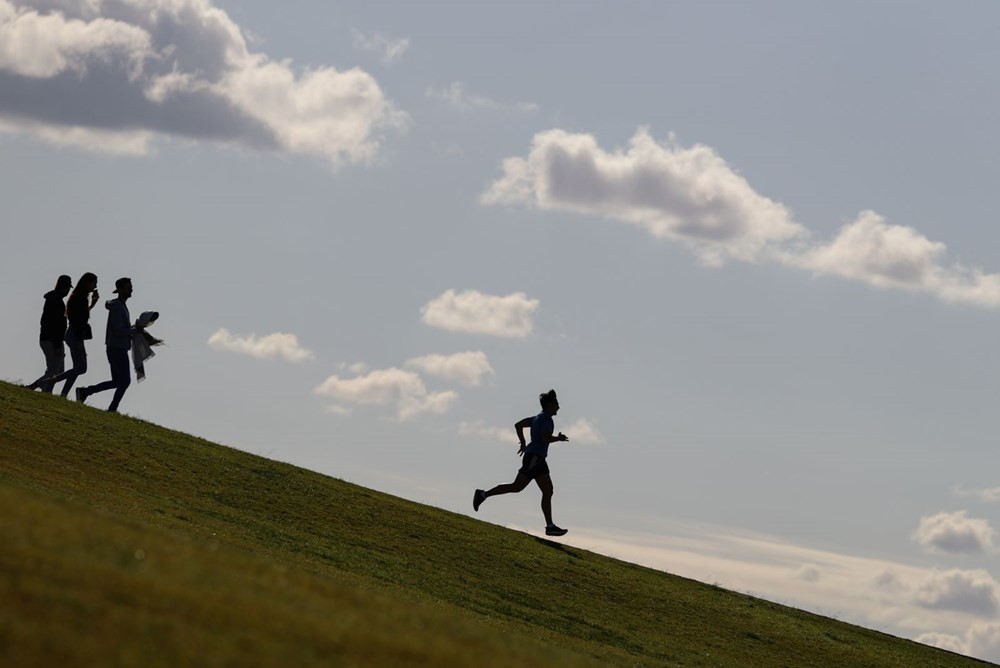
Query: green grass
(124, 543)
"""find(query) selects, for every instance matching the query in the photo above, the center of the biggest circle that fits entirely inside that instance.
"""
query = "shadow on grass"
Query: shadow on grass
(557, 546)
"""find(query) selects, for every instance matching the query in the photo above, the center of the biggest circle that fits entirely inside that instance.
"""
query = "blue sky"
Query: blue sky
(749, 245)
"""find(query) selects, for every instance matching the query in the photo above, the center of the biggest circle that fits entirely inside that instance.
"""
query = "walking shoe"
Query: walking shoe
(477, 499)
(553, 530)
(81, 396)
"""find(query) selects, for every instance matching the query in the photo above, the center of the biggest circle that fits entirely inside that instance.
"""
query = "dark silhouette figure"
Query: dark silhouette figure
(118, 341)
(533, 466)
(53, 329)
(78, 308)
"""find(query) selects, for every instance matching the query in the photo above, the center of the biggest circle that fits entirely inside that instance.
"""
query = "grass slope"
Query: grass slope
(123, 543)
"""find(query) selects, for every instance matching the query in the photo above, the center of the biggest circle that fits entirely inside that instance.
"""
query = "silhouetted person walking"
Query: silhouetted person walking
(78, 308)
(534, 466)
(118, 340)
(53, 329)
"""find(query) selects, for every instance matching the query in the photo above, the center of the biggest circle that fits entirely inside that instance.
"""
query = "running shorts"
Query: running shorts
(533, 466)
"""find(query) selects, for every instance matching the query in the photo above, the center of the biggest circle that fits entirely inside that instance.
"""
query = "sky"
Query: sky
(749, 244)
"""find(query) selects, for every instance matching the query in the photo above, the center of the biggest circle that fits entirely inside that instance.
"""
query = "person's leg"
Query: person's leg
(83, 392)
(57, 364)
(524, 476)
(79, 355)
(520, 482)
(45, 346)
(54, 365)
(120, 374)
(545, 484)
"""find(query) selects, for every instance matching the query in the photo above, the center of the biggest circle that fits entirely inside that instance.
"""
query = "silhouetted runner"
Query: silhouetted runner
(118, 340)
(52, 331)
(533, 466)
(78, 309)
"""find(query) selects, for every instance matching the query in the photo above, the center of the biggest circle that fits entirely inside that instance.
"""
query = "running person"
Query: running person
(533, 467)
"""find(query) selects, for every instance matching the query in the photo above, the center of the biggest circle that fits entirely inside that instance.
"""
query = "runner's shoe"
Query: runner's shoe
(477, 499)
(81, 396)
(553, 530)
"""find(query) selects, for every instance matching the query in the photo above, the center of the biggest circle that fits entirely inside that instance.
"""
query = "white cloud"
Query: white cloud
(884, 255)
(980, 640)
(388, 49)
(584, 432)
(358, 368)
(692, 196)
(41, 46)
(272, 346)
(808, 573)
(894, 256)
(398, 387)
(480, 429)
(974, 592)
(467, 368)
(888, 579)
(955, 533)
(944, 641)
(477, 313)
(111, 75)
(987, 495)
(456, 96)
(983, 640)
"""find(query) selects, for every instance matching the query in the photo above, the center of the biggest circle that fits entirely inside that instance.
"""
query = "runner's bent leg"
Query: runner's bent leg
(545, 484)
(520, 482)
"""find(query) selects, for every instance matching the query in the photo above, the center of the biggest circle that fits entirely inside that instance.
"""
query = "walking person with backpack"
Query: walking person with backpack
(533, 466)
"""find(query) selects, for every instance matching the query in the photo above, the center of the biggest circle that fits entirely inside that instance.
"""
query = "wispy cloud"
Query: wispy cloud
(584, 432)
(986, 495)
(480, 429)
(456, 96)
(581, 432)
(111, 76)
(473, 312)
(955, 533)
(388, 49)
(980, 640)
(392, 386)
(691, 195)
(269, 347)
(467, 368)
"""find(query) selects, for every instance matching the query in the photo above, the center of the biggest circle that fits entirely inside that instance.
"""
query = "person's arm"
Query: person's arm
(519, 427)
(53, 309)
(558, 438)
(120, 326)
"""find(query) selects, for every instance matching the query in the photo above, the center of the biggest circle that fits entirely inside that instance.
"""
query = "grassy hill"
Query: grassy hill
(123, 543)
